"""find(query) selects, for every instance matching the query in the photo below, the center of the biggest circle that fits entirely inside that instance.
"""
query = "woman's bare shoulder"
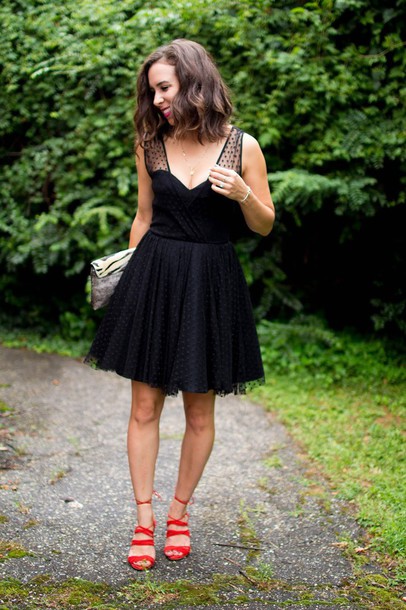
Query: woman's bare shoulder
(250, 143)
(251, 151)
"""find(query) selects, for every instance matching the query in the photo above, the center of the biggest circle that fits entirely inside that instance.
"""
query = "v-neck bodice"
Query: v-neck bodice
(203, 181)
(196, 214)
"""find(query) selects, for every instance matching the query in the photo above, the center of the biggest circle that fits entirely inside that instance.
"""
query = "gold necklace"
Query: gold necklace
(192, 168)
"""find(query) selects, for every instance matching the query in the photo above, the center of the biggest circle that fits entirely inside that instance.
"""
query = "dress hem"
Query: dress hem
(237, 388)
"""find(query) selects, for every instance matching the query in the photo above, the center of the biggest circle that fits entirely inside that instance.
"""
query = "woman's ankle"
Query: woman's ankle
(178, 508)
(145, 515)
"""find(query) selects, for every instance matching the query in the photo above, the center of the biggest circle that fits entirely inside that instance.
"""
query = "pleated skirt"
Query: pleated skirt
(181, 320)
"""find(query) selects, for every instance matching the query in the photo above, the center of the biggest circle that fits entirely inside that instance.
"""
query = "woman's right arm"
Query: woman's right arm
(143, 217)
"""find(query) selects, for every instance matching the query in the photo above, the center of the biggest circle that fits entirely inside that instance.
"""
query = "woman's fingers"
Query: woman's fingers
(224, 180)
(227, 182)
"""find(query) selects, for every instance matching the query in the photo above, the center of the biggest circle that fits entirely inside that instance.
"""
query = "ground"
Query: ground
(267, 530)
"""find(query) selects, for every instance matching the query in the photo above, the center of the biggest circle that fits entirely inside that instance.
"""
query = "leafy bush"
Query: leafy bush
(307, 352)
(320, 85)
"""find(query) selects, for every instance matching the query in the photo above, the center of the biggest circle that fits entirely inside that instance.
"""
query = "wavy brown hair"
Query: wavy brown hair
(202, 104)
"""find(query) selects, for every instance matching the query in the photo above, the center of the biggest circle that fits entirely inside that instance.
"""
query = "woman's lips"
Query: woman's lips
(166, 112)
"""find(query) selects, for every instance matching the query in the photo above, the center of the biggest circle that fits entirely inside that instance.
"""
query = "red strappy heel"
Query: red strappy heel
(143, 562)
(181, 551)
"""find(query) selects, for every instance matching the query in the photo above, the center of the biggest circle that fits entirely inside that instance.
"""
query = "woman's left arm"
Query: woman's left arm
(251, 190)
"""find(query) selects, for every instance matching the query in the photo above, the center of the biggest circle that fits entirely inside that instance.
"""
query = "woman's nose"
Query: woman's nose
(157, 99)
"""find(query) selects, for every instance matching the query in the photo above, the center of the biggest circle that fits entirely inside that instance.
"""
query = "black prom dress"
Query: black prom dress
(181, 316)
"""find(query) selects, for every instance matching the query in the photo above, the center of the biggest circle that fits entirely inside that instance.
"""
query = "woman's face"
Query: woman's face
(164, 85)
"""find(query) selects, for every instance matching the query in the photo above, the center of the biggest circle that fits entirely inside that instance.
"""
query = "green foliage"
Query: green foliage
(12, 550)
(319, 84)
(307, 352)
(343, 398)
(370, 591)
(36, 340)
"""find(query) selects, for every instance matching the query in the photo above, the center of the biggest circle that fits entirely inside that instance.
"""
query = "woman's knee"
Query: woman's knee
(199, 414)
(146, 405)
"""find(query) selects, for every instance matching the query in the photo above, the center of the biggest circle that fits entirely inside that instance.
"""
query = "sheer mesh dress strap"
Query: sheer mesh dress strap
(231, 155)
(155, 157)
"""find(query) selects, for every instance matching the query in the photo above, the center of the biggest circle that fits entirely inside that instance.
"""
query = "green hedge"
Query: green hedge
(320, 84)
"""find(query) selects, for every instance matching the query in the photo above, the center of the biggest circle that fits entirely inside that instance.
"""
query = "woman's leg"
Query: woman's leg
(196, 449)
(143, 444)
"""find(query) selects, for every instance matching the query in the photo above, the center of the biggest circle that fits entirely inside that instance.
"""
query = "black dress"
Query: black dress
(181, 316)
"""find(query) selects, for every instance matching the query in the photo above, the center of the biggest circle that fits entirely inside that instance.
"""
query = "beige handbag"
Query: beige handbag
(105, 273)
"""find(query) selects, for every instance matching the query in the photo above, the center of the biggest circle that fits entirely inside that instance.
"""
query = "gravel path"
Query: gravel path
(67, 494)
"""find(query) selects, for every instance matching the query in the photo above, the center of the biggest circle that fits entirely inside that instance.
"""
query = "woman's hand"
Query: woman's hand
(251, 190)
(228, 183)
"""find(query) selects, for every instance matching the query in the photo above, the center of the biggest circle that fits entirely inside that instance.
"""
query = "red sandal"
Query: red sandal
(181, 551)
(143, 562)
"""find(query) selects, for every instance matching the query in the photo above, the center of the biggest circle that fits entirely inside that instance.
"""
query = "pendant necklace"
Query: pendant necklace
(192, 168)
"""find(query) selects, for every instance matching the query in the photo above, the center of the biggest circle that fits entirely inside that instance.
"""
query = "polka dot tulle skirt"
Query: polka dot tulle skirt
(181, 316)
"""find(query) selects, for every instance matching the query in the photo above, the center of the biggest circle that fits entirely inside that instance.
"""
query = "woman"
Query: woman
(181, 318)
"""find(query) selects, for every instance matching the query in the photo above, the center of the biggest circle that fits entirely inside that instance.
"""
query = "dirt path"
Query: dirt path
(66, 494)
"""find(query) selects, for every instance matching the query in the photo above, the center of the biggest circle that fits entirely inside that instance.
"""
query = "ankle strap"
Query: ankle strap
(191, 501)
(154, 493)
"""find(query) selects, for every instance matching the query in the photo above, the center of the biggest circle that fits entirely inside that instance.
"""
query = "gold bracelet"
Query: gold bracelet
(246, 196)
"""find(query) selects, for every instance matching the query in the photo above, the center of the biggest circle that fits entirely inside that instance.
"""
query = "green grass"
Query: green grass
(344, 399)
(5, 409)
(52, 342)
(13, 550)
(146, 591)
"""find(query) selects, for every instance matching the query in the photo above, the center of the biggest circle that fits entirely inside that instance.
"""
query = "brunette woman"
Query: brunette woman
(181, 317)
